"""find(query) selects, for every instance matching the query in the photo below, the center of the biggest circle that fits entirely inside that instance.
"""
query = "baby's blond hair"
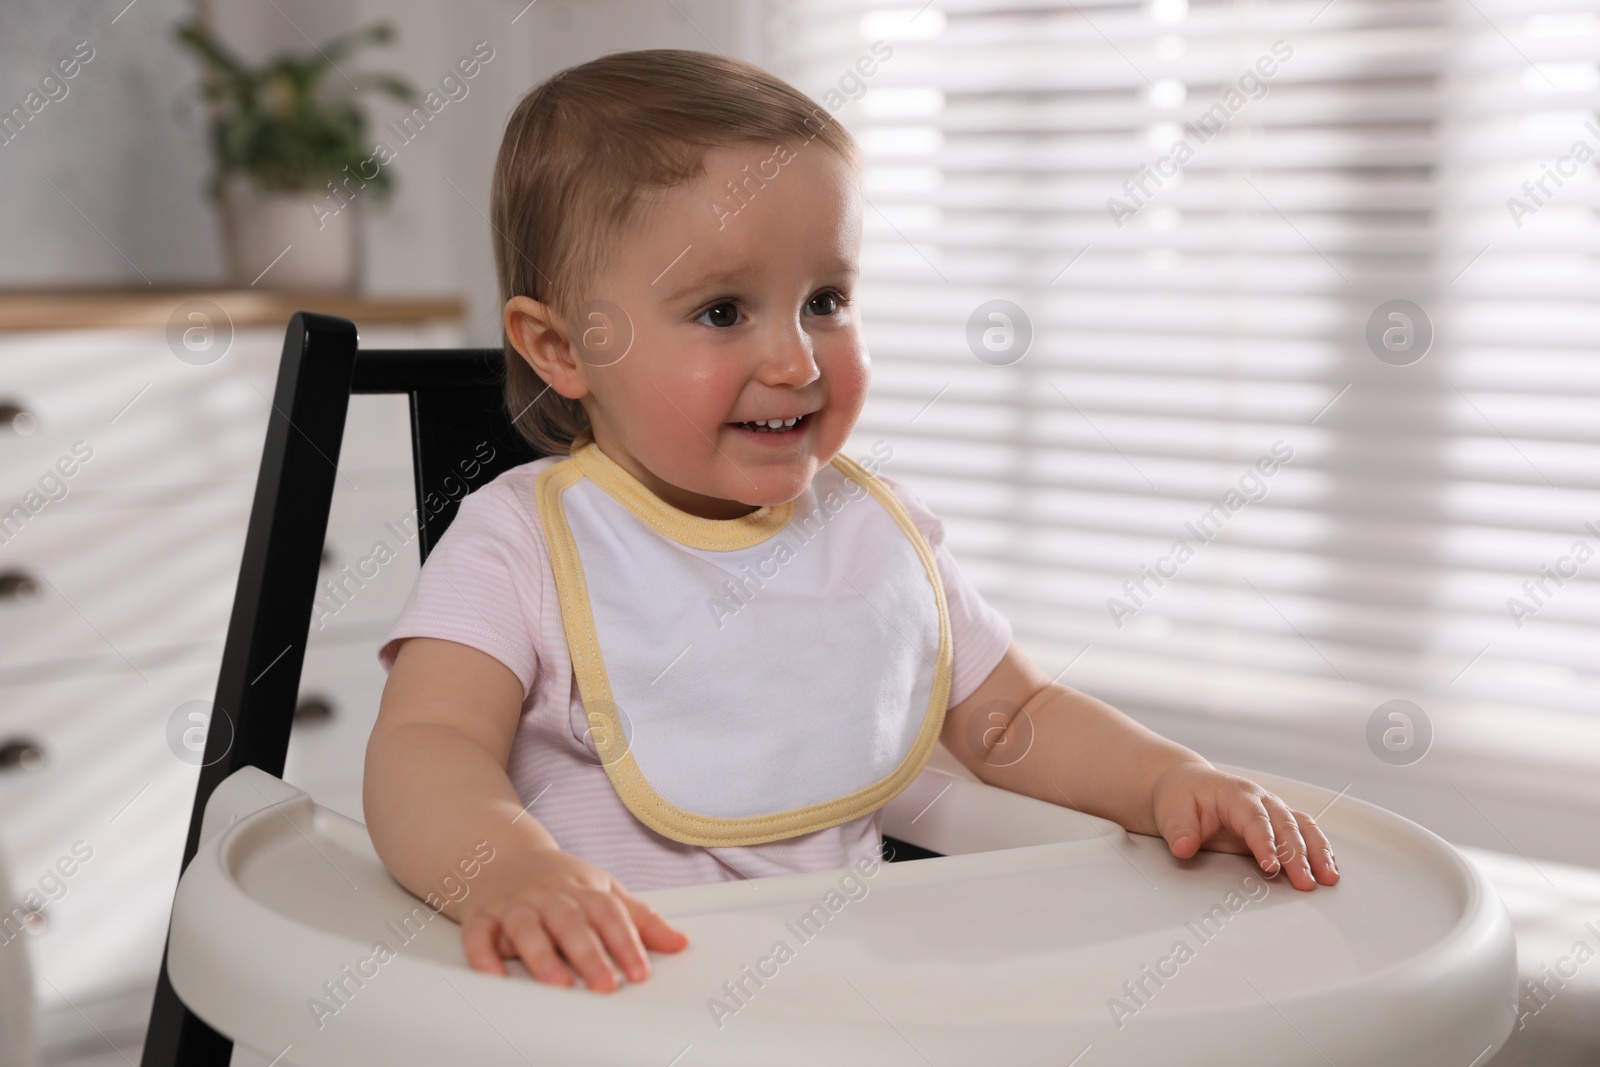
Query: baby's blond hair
(579, 152)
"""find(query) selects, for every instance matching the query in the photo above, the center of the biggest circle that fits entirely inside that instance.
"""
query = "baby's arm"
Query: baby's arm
(1087, 755)
(436, 789)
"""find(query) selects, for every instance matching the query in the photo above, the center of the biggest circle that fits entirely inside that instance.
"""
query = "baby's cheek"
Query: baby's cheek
(681, 420)
(706, 397)
(849, 374)
(659, 402)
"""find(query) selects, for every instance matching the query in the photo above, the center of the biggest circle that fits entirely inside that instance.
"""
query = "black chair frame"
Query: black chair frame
(456, 408)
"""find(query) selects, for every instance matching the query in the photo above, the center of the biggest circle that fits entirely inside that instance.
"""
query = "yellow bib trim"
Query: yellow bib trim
(594, 687)
(691, 531)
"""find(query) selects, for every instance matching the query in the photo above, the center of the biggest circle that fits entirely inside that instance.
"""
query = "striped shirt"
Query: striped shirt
(488, 584)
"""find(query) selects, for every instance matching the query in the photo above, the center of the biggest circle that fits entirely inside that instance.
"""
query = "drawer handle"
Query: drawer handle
(312, 710)
(16, 418)
(18, 586)
(21, 753)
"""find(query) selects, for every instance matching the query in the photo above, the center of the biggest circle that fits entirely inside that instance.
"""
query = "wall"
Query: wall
(126, 145)
(124, 150)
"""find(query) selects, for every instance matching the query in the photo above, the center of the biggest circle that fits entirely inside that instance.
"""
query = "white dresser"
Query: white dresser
(126, 477)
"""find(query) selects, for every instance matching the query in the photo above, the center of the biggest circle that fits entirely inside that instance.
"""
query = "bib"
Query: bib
(756, 678)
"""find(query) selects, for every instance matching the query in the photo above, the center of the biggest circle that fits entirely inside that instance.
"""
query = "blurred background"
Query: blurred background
(1247, 350)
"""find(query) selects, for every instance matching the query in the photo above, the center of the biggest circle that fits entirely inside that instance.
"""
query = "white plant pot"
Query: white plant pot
(280, 242)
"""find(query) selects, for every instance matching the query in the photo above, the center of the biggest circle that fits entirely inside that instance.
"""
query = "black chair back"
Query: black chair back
(461, 437)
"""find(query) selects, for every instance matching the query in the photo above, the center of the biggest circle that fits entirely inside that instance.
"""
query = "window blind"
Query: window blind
(1247, 350)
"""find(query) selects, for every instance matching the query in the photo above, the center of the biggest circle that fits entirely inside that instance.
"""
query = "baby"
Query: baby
(697, 642)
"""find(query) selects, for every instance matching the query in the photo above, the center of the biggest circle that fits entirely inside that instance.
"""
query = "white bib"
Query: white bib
(756, 678)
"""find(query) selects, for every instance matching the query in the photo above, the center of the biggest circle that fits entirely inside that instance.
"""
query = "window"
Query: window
(1247, 350)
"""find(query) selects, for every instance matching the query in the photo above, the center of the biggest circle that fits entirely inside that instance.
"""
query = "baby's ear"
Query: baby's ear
(536, 331)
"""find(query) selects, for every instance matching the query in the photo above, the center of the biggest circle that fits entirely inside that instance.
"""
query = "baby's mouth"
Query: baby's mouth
(775, 426)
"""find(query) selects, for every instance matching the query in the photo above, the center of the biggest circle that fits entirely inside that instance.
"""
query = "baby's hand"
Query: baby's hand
(1197, 806)
(548, 899)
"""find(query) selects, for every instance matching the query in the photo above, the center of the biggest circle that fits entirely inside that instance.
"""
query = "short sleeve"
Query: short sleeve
(979, 634)
(481, 586)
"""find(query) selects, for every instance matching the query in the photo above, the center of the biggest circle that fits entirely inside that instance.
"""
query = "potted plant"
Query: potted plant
(285, 138)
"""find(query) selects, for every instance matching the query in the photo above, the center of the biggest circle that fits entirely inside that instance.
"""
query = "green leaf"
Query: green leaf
(231, 76)
(285, 125)
(383, 83)
(339, 47)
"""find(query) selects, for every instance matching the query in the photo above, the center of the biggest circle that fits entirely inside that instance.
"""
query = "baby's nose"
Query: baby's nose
(790, 362)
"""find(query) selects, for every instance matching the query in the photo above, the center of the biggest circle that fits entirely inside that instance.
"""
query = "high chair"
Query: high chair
(1024, 932)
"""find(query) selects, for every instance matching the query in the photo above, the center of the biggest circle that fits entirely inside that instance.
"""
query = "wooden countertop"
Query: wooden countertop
(64, 309)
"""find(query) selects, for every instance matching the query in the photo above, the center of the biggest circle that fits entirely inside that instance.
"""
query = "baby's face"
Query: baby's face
(739, 315)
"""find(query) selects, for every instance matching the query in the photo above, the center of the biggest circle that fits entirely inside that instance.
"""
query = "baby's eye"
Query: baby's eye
(827, 302)
(723, 314)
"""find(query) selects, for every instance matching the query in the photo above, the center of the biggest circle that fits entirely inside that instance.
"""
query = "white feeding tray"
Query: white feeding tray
(1043, 936)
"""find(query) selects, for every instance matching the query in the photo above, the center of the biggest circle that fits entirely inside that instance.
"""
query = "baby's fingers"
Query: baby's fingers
(570, 925)
(525, 930)
(653, 927)
(1291, 847)
(613, 922)
(1250, 820)
(482, 939)
(1318, 849)
(1180, 825)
